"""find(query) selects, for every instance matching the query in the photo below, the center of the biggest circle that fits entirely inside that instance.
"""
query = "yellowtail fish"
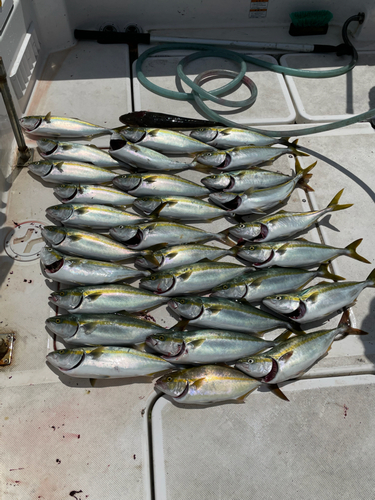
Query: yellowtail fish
(106, 362)
(74, 241)
(102, 329)
(72, 151)
(178, 255)
(259, 200)
(142, 157)
(178, 207)
(260, 284)
(89, 193)
(318, 301)
(92, 216)
(162, 233)
(295, 253)
(62, 127)
(242, 180)
(66, 171)
(192, 278)
(164, 141)
(206, 385)
(158, 184)
(283, 224)
(293, 357)
(105, 299)
(206, 346)
(69, 269)
(230, 137)
(235, 158)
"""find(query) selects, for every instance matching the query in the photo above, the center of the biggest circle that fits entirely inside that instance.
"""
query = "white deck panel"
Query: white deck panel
(315, 446)
(273, 104)
(330, 99)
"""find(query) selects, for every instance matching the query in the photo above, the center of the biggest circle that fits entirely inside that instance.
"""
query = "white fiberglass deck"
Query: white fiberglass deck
(63, 438)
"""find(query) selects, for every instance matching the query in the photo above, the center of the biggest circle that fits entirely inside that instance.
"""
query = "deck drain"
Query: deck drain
(24, 242)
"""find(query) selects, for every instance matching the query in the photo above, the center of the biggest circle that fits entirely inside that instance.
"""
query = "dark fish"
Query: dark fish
(163, 120)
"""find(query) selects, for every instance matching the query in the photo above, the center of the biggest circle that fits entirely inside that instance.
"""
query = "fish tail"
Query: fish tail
(295, 150)
(235, 250)
(285, 141)
(333, 205)
(304, 174)
(345, 320)
(223, 236)
(323, 272)
(371, 277)
(352, 251)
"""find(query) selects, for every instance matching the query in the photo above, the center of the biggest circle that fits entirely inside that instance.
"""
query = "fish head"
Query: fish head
(246, 231)
(54, 235)
(60, 212)
(255, 366)
(187, 307)
(50, 256)
(69, 298)
(116, 142)
(167, 344)
(66, 359)
(257, 253)
(229, 291)
(63, 326)
(41, 168)
(66, 192)
(217, 181)
(133, 134)
(159, 283)
(204, 134)
(283, 304)
(47, 146)
(30, 123)
(229, 201)
(127, 182)
(211, 158)
(130, 236)
(174, 384)
(147, 204)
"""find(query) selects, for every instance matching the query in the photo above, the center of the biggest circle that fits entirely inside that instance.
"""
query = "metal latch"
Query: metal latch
(6, 348)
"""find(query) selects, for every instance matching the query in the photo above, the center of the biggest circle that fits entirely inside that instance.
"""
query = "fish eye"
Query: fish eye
(49, 249)
(61, 294)
(279, 297)
(251, 248)
(153, 277)
(250, 360)
(242, 226)
(57, 321)
(61, 351)
(169, 379)
(225, 287)
(144, 199)
(120, 227)
(161, 337)
(182, 301)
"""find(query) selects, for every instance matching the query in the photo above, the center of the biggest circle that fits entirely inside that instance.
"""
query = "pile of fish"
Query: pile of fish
(173, 262)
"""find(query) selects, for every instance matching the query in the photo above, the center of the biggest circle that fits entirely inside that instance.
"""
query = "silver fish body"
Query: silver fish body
(178, 207)
(62, 127)
(192, 278)
(141, 157)
(207, 384)
(102, 329)
(165, 141)
(69, 269)
(242, 180)
(74, 241)
(156, 233)
(224, 314)
(206, 346)
(158, 184)
(71, 151)
(167, 258)
(318, 301)
(292, 358)
(236, 158)
(106, 362)
(92, 216)
(295, 253)
(263, 283)
(88, 193)
(230, 137)
(68, 171)
(105, 299)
